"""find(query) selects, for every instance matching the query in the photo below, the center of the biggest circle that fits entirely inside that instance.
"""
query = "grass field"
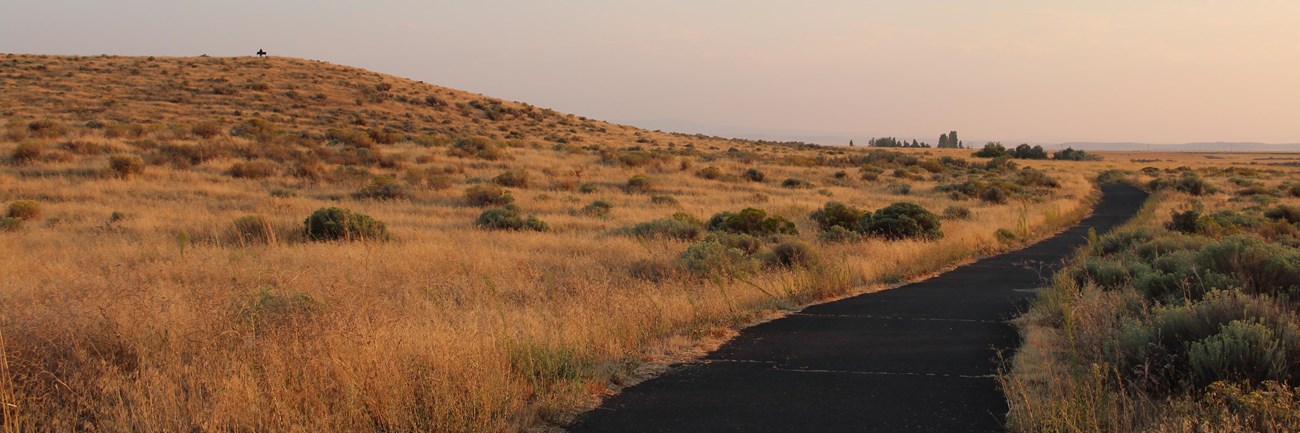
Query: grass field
(158, 276)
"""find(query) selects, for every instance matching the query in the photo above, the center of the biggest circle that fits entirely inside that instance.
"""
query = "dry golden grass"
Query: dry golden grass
(130, 305)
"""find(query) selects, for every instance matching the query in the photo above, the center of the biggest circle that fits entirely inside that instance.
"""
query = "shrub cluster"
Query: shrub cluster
(342, 224)
(509, 217)
(477, 147)
(382, 188)
(680, 225)
(751, 221)
(901, 220)
(488, 195)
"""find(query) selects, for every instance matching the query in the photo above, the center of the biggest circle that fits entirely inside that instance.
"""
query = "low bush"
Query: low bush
(793, 254)
(710, 173)
(25, 210)
(956, 213)
(796, 183)
(253, 229)
(46, 128)
(1189, 183)
(1070, 154)
(836, 214)
(342, 224)
(711, 258)
(664, 200)
(598, 209)
(751, 221)
(679, 226)
(476, 147)
(754, 175)
(382, 188)
(28, 151)
(639, 184)
(743, 242)
(259, 130)
(517, 178)
(125, 166)
(1290, 214)
(509, 217)
(901, 220)
(839, 234)
(488, 195)
(10, 224)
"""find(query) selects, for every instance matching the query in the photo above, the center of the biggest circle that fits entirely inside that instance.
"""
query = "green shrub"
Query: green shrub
(680, 226)
(588, 188)
(125, 166)
(256, 169)
(754, 175)
(1188, 183)
(25, 210)
(509, 217)
(665, 200)
(900, 188)
(517, 178)
(350, 137)
(751, 221)
(1116, 176)
(1243, 351)
(836, 214)
(1024, 151)
(710, 173)
(839, 234)
(992, 150)
(956, 213)
(901, 220)
(10, 224)
(1189, 221)
(488, 195)
(747, 243)
(342, 224)
(476, 147)
(275, 311)
(252, 229)
(1070, 154)
(382, 188)
(711, 258)
(794, 253)
(46, 128)
(639, 184)
(598, 209)
(1004, 235)
(796, 183)
(259, 130)
(27, 152)
(1290, 214)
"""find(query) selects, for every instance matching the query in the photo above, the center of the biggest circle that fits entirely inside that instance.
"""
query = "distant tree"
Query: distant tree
(953, 141)
(1023, 151)
(850, 143)
(992, 150)
(943, 141)
(1069, 154)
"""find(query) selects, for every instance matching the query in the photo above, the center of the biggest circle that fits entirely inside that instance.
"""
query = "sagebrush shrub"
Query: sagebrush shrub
(836, 214)
(710, 173)
(598, 209)
(754, 175)
(796, 183)
(1290, 214)
(749, 244)
(517, 178)
(681, 225)
(342, 224)
(382, 188)
(509, 217)
(752, 221)
(665, 200)
(24, 210)
(27, 152)
(902, 220)
(711, 258)
(476, 147)
(253, 229)
(956, 213)
(794, 253)
(488, 195)
(125, 166)
(260, 130)
(639, 184)
(46, 128)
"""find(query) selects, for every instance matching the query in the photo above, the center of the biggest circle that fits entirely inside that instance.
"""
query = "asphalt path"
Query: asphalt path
(918, 358)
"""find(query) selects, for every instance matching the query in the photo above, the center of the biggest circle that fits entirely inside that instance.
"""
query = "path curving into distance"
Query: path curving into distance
(918, 358)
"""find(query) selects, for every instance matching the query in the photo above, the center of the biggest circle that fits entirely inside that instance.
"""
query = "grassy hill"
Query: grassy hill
(219, 244)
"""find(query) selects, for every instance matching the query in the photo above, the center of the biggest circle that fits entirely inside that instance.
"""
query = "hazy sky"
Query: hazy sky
(1033, 70)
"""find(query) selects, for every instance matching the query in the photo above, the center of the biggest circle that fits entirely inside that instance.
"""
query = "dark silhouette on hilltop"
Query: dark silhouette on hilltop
(261, 52)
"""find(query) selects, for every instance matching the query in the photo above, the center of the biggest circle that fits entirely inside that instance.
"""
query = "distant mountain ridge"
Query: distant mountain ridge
(1184, 147)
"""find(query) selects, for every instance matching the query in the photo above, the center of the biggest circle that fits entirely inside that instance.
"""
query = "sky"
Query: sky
(1156, 71)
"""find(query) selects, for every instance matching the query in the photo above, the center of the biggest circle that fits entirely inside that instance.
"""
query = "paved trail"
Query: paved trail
(918, 358)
